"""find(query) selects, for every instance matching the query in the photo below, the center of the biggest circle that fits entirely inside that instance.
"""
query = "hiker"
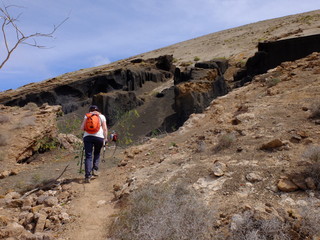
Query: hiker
(94, 137)
(114, 136)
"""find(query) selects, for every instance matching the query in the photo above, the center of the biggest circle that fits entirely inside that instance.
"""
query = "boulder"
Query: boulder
(12, 195)
(68, 140)
(254, 177)
(311, 183)
(14, 203)
(219, 168)
(271, 145)
(286, 185)
(300, 182)
(51, 201)
(41, 221)
(11, 230)
(4, 174)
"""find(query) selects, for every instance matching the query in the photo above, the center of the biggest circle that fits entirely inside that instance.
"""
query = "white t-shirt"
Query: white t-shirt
(100, 132)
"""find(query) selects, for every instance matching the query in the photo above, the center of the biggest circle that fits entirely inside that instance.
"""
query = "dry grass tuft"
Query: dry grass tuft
(3, 140)
(31, 106)
(4, 119)
(225, 141)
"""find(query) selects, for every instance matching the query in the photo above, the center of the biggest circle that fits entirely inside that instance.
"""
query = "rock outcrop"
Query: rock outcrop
(196, 87)
(26, 130)
(273, 53)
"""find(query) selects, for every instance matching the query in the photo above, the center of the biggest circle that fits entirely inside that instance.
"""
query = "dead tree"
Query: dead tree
(9, 24)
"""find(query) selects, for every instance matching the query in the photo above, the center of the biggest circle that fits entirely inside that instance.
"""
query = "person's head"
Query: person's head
(93, 108)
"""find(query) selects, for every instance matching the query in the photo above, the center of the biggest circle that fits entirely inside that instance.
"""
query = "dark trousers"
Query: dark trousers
(92, 144)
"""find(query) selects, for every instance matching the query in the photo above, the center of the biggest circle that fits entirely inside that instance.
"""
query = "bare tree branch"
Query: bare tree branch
(9, 24)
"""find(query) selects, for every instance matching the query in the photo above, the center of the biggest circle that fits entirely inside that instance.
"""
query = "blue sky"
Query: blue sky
(102, 31)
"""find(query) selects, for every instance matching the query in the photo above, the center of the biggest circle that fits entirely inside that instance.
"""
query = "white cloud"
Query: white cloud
(98, 60)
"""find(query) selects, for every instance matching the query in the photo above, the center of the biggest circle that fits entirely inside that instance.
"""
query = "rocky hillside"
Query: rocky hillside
(252, 151)
(245, 167)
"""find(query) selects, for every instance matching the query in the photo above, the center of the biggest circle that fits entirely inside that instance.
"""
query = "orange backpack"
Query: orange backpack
(92, 124)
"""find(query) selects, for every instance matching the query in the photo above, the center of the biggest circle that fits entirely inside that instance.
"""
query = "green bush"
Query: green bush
(186, 64)
(45, 144)
(125, 125)
(196, 59)
(164, 212)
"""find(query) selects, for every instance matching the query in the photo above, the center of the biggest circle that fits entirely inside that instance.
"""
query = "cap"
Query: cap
(93, 108)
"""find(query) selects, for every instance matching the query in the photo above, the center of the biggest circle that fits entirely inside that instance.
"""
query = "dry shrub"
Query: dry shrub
(3, 140)
(302, 223)
(31, 106)
(312, 153)
(225, 141)
(4, 119)
(315, 110)
(248, 226)
(162, 212)
(310, 219)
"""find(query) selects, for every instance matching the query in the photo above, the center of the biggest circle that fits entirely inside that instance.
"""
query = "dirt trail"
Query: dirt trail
(94, 206)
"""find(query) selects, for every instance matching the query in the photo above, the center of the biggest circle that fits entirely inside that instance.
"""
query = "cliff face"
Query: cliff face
(131, 85)
(79, 91)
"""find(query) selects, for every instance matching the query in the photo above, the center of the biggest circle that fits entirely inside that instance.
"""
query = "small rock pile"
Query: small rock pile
(36, 216)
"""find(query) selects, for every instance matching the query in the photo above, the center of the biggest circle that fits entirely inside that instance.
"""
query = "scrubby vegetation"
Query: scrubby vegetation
(302, 223)
(125, 125)
(164, 212)
(70, 125)
(248, 226)
(224, 141)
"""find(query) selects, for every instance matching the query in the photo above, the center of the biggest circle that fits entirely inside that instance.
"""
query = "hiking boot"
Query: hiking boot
(87, 180)
(95, 173)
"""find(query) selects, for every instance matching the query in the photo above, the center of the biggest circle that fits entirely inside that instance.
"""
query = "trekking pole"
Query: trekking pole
(115, 148)
(104, 151)
(114, 138)
(81, 160)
